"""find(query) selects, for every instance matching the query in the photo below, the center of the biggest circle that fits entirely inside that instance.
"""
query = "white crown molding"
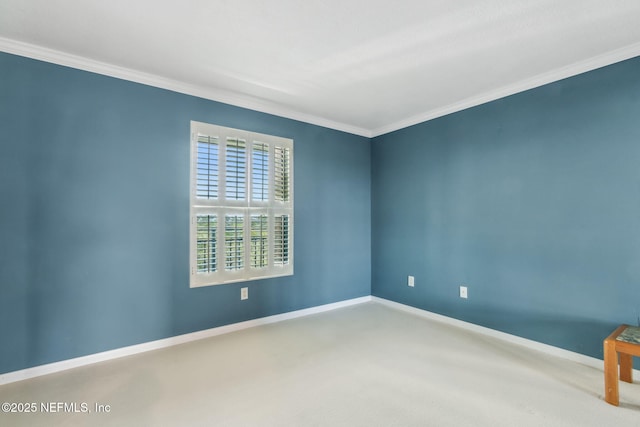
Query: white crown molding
(571, 70)
(86, 64)
(244, 101)
(50, 368)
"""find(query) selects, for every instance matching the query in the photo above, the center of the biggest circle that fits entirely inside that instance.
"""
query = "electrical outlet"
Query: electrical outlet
(244, 293)
(463, 292)
(411, 281)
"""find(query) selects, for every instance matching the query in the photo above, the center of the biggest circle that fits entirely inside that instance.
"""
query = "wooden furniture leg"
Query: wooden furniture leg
(622, 344)
(611, 394)
(626, 367)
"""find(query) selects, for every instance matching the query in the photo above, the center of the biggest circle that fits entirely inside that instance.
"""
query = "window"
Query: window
(241, 205)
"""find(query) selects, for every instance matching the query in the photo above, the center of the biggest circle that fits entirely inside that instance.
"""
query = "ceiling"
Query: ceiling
(363, 66)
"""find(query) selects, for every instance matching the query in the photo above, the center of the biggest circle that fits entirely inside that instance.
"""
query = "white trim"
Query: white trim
(220, 95)
(571, 70)
(223, 207)
(64, 365)
(214, 94)
(530, 344)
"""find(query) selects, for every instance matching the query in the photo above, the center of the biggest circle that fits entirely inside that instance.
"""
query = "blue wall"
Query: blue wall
(532, 201)
(94, 190)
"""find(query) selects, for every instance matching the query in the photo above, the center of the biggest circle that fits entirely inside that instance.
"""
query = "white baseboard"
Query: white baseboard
(534, 345)
(64, 365)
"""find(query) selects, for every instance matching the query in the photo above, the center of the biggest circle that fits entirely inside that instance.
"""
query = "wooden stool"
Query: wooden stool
(624, 341)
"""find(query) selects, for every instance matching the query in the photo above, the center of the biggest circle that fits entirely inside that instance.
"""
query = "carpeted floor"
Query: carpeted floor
(366, 365)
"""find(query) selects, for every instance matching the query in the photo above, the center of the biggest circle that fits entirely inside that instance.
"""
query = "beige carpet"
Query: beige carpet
(366, 365)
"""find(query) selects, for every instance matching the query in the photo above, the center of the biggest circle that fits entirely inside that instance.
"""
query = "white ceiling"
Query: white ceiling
(363, 66)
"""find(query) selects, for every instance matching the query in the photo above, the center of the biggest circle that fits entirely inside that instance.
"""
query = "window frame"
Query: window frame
(222, 207)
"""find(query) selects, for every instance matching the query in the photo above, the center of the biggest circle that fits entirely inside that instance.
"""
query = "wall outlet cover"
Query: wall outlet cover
(463, 292)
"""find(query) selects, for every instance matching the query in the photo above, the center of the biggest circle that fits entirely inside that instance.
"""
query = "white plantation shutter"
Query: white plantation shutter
(241, 205)
(234, 242)
(282, 173)
(207, 167)
(259, 241)
(206, 243)
(281, 240)
(260, 172)
(236, 169)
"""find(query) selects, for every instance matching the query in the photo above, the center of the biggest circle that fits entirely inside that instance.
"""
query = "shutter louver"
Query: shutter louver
(281, 240)
(236, 169)
(259, 241)
(260, 172)
(282, 172)
(207, 167)
(234, 242)
(206, 243)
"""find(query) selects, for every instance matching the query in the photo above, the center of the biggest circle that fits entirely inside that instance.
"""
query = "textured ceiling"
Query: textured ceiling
(364, 66)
